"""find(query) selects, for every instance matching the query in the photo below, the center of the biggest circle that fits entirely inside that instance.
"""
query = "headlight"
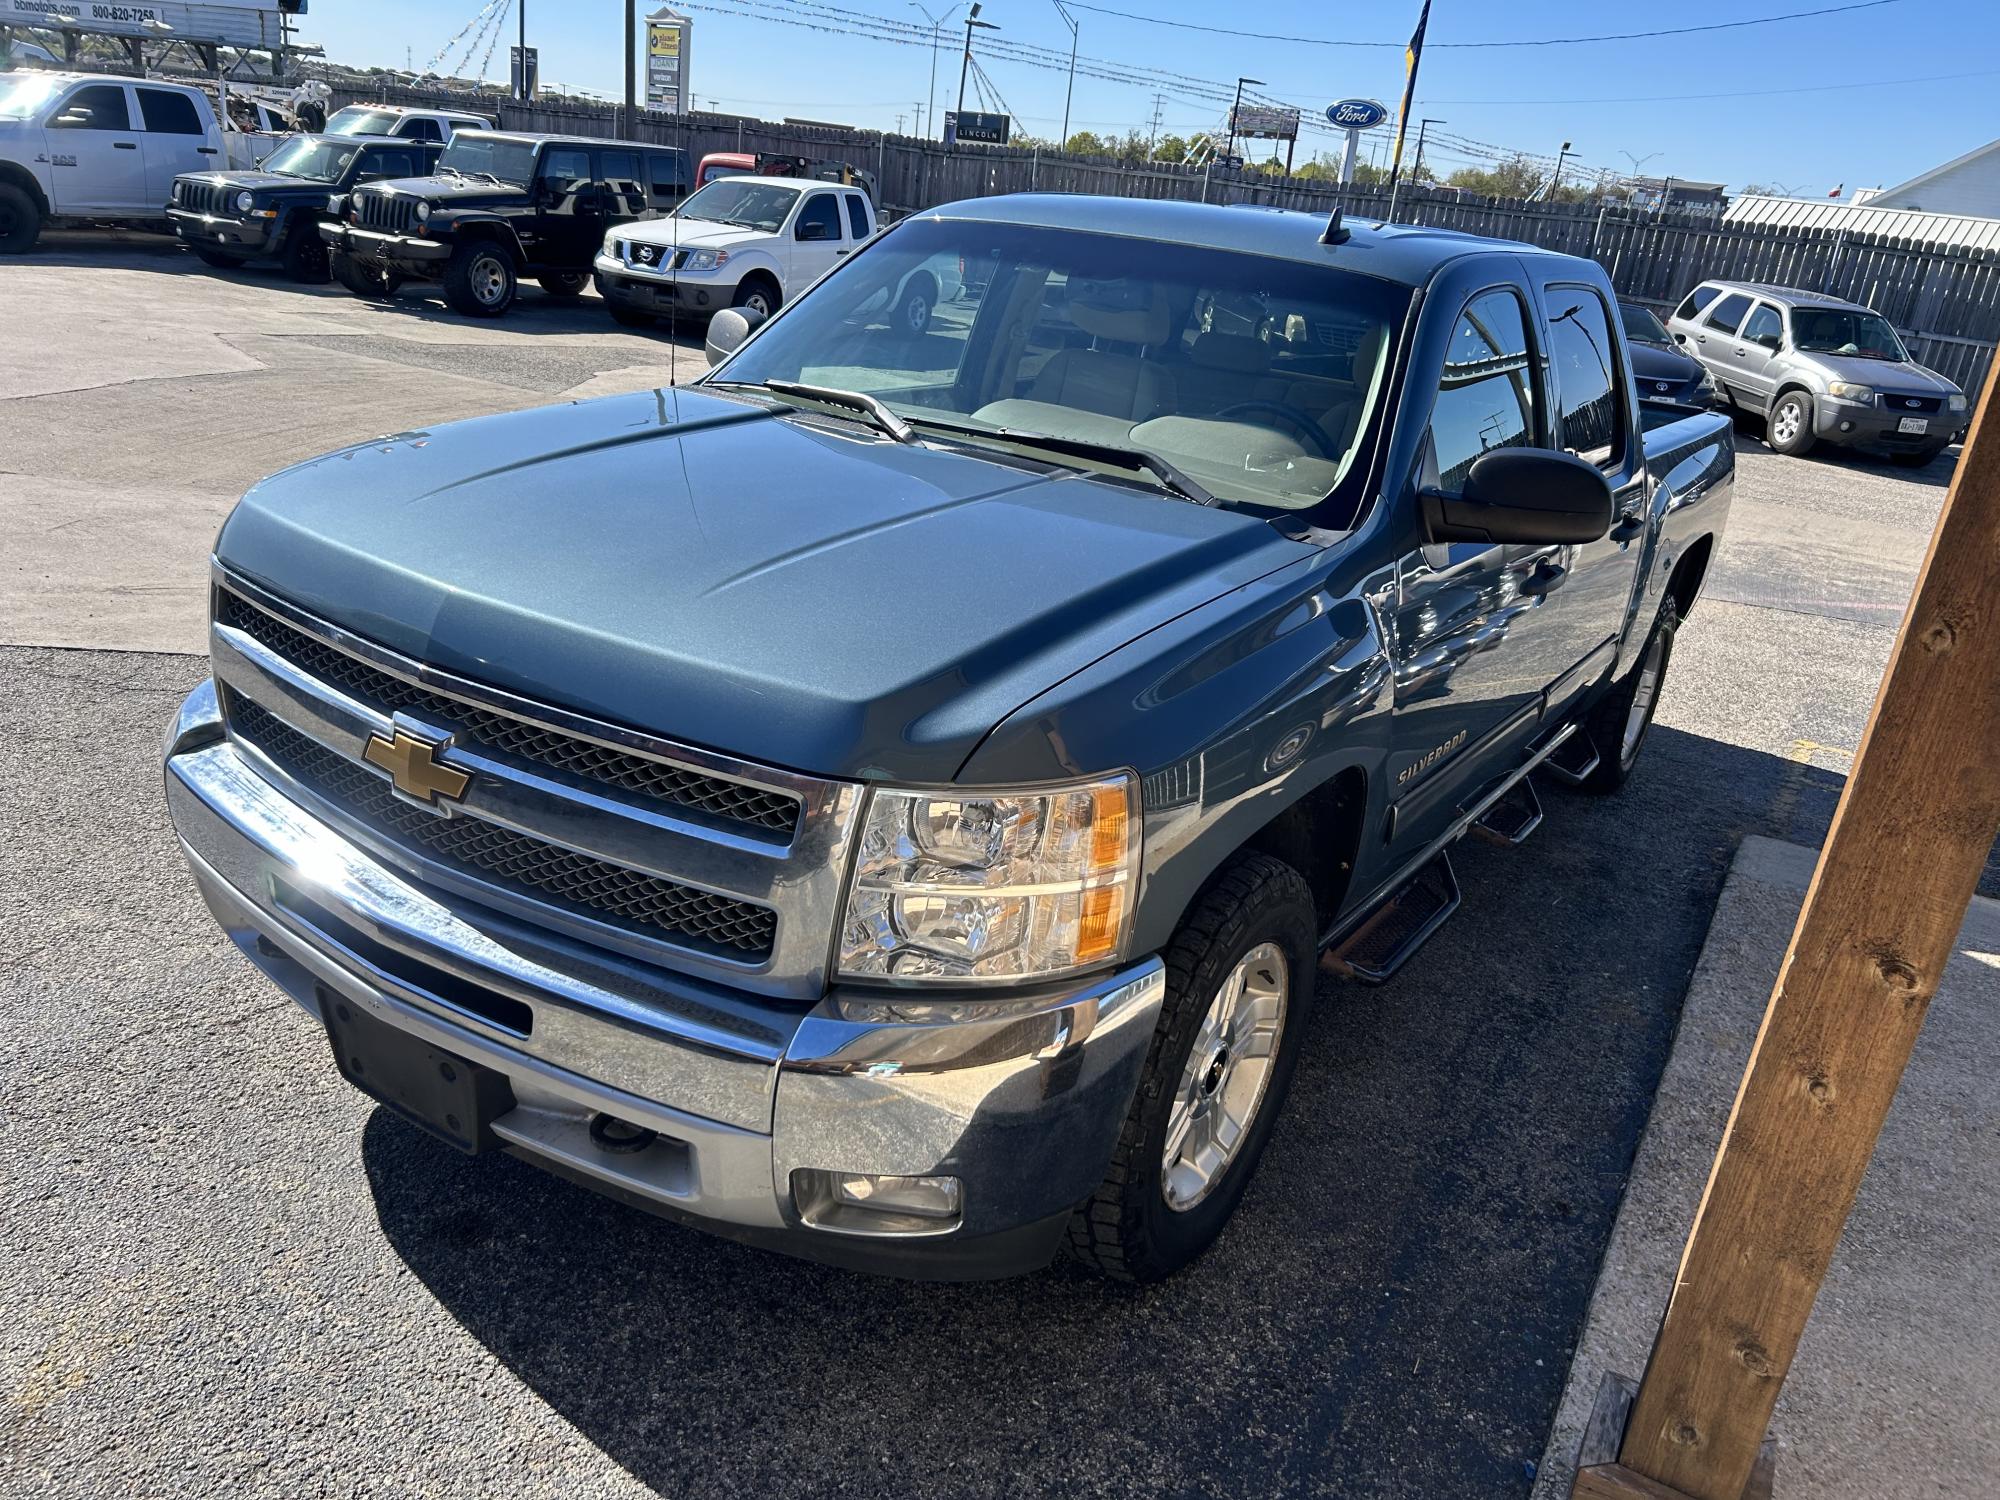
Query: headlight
(1956, 401)
(989, 886)
(610, 245)
(705, 260)
(177, 190)
(1707, 381)
(243, 202)
(1840, 390)
(423, 213)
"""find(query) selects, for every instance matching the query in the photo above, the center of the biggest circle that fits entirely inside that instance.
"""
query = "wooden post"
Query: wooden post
(1904, 855)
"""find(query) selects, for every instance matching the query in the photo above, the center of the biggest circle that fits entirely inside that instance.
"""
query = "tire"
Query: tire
(1623, 718)
(1256, 919)
(759, 294)
(564, 284)
(913, 315)
(306, 255)
(629, 317)
(221, 260)
(378, 286)
(479, 281)
(1790, 429)
(20, 220)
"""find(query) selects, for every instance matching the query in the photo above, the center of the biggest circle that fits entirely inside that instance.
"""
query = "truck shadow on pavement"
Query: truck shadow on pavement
(1392, 1311)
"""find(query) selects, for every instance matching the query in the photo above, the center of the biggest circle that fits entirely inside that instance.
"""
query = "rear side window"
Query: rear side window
(100, 106)
(1485, 398)
(619, 170)
(821, 211)
(168, 113)
(666, 176)
(567, 168)
(1728, 313)
(416, 128)
(1589, 415)
(857, 216)
(1696, 300)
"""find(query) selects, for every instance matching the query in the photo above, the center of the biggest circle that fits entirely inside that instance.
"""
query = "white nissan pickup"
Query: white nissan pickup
(84, 146)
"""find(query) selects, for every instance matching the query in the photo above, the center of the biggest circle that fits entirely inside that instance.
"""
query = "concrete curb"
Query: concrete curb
(1882, 1400)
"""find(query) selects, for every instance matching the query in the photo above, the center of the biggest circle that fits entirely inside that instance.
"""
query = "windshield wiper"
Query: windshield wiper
(855, 401)
(1171, 477)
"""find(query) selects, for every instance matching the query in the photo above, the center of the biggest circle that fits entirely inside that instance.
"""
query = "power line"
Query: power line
(1814, 88)
(1544, 41)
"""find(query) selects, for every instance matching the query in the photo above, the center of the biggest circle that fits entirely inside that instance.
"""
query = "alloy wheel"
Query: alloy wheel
(1225, 1079)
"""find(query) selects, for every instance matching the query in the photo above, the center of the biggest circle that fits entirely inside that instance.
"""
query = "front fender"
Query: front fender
(468, 228)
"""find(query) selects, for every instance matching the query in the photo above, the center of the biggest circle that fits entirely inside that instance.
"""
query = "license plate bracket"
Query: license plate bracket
(439, 1092)
(1914, 424)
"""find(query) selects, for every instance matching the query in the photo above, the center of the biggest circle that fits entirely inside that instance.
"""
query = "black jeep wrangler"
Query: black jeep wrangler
(501, 206)
(229, 218)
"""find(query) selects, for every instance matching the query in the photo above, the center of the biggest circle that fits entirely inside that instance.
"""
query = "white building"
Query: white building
(1968, 186)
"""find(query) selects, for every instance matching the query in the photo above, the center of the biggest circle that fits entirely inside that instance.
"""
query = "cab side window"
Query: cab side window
(1765, 327)
(857, 217)
(168, 113)
(1486, 395)
(98, 106)
(419, 129)
(566, 169)
(819, 219)
(1728, 313)
(1590, 417)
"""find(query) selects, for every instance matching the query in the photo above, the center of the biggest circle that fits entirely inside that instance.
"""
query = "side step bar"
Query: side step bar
(1387, 930)
(1574, 759)
(1396, 929)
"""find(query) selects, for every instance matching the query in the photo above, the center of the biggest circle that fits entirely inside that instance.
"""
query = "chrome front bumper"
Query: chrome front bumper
(1019, 1097)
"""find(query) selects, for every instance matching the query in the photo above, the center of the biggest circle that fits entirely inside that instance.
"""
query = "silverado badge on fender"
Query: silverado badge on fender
(413, 765)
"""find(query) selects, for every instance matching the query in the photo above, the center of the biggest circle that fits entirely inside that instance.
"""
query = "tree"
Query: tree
(1171, 148)
(1087, 143)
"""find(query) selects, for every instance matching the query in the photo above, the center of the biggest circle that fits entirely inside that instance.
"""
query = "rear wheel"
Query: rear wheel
(20, 220)
(913, 315)
(479, 281)
(305, 254)
(1791, 426)
(1239, 980)
(564, 283)
(1619, 724)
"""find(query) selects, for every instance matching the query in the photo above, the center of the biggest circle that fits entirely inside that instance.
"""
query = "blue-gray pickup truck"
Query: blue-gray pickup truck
(891, 800)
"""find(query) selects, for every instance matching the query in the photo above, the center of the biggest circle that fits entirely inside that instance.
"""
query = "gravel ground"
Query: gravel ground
(226, 1273)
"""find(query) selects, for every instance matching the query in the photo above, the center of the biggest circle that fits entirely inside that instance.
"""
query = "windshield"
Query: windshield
(753, 202)
(358, 119)
(470, 154)
(1642, 326)
(24, 93)
(1845, 330)
(318, 160)
(1253, 376)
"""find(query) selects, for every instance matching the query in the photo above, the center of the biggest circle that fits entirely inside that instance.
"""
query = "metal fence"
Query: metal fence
(1945, 299)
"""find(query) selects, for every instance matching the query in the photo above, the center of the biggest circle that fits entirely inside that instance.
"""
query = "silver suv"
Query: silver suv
(1821, 369)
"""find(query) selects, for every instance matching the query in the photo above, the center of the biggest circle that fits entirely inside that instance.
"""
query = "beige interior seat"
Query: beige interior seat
(1111, 383)
(1224, 369)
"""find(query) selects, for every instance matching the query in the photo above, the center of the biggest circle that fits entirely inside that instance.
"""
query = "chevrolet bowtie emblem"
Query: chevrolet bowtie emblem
(413, 764)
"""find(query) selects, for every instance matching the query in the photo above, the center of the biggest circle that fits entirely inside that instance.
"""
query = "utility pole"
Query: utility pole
(1153, 132)
(965, 64)
(631, 68)
(525, 91)
(1235, 107)
(1070, 92)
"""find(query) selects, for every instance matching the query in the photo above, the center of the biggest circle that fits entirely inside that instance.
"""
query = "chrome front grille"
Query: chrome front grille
(659, 850)
(610, 890)
(731, 802)
(392, 213)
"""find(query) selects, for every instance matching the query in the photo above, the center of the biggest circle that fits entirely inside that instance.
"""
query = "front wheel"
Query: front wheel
(1619, 724)
(757, 295)
(564, 284)
(1239, 981)
(360, 279)
(305, 255)
(479, 280)
(1791, 425)
(914, 316)
(1918, 458)
(20, 220)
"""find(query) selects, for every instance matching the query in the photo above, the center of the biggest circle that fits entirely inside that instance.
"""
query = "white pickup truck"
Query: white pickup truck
(752, 242)
(84, 147)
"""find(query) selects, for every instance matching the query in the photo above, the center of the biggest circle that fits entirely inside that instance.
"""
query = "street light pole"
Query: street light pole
(1070, 92)
(1231, 152)
(965, 63)
(1556, 182)
(631, 67)
(523, 8)
(937, 33)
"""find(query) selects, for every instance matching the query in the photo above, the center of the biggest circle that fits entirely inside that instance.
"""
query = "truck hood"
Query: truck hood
(265, 183)
(674, 230)
(452, 192)
(785, 588)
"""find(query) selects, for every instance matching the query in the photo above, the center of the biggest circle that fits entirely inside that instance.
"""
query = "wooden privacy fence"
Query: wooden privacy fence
(1945, 299)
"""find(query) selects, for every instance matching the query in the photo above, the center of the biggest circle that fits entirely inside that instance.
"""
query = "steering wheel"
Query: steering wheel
(1310, 437)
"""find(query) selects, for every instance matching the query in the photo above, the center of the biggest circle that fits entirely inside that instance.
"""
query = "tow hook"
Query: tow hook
(609, 1133)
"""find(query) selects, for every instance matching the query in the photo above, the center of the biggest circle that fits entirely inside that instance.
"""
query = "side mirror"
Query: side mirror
(1529, 496)
(1770, 341)
(1680, 338)
(815, 231)
(729, 328)
(76, 114)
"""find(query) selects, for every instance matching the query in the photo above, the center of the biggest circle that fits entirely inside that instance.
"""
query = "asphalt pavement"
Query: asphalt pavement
(227, 1273)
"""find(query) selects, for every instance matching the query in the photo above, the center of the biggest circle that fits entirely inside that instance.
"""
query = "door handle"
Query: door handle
(205, 150)
(1545, 580)
(126, 145)
(842, 252)
(1627, 528)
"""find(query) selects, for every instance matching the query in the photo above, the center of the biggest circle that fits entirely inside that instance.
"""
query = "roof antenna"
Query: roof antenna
(1335, 233)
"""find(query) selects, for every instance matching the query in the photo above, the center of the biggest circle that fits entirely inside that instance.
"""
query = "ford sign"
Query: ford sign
(1357, 114)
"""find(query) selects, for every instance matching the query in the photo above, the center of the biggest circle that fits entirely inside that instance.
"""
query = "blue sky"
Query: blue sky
(1863, 97)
